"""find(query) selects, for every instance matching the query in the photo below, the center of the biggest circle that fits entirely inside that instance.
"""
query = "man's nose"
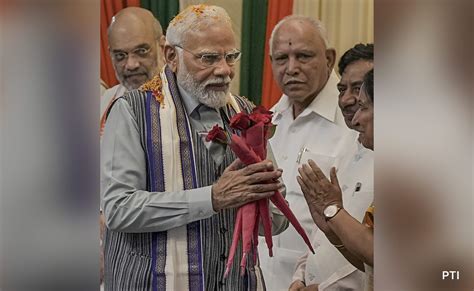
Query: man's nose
(132, 63)
(347, 98)
(222, 68)
(293, 67)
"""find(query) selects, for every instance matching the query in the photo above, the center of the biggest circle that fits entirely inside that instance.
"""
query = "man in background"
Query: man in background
(136, 48)
(309, 125)
(327, 269)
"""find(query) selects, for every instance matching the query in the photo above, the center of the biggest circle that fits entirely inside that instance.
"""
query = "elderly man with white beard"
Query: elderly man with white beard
(169, 197)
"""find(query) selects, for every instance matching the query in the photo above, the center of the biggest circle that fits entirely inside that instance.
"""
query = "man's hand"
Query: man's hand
(318, 191)
(240, 184)
(296, 286)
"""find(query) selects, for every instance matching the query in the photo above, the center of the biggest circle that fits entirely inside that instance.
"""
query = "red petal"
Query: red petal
(280, 202)
(235, 241)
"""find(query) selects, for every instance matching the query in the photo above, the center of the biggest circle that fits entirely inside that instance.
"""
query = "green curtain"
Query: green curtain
(254, 21)
(164, 10)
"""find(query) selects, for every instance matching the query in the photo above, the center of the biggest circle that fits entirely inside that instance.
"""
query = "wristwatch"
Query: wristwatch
(331, 211)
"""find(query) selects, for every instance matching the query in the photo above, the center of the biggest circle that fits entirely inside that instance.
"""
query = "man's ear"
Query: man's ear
(330, 58)
(171, 57)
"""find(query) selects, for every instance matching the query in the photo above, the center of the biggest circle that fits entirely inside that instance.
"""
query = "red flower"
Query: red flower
(217, 134)
(262, 110)
(257, 117)
(251, 147)
(240, 121)
(260, 114)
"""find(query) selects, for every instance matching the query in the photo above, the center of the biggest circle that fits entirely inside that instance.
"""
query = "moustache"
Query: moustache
(218, 81)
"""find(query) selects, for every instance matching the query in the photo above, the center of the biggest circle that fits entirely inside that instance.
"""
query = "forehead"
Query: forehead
(356, 71)
(219, 37)
(129, 35)
(297, 34)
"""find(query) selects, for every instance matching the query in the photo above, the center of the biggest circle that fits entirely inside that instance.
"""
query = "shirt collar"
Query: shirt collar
(191, 104)
(325, 104)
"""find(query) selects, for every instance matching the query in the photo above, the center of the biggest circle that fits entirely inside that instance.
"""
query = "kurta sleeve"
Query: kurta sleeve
(300, 268)
(127, 206)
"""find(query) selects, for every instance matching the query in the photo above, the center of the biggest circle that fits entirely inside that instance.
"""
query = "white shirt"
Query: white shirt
(328, 267)
(321, 129)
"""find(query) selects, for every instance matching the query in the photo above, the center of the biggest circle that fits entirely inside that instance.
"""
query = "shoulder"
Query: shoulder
(132, 102)
(134, 96)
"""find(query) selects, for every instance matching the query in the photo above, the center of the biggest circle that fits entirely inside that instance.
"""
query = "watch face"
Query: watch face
(330, 211)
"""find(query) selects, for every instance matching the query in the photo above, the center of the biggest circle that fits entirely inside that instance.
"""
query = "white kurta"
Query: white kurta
(318, 133)
(327, 267)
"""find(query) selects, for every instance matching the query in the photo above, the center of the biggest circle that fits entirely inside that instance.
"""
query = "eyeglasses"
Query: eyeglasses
(140, 52)
(212, 59)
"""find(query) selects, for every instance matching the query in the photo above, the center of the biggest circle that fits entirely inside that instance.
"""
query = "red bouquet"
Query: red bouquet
(251, 147)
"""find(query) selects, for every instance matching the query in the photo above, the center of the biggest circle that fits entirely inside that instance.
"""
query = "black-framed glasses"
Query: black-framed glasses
(140, 52)
(212, 59)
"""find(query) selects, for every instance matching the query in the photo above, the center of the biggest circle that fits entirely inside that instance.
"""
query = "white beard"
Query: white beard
(210, 98)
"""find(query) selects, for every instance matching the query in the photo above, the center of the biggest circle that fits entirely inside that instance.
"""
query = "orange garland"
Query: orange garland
(155, 86)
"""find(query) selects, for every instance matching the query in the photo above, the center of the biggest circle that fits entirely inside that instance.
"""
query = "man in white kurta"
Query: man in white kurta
(318, 133)
(310, 125)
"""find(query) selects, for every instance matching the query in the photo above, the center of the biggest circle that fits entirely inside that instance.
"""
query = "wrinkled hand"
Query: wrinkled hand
(240, 184)
(318, 191)
(296, 286)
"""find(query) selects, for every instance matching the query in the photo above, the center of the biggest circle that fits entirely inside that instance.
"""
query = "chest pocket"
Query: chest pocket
(324, 162)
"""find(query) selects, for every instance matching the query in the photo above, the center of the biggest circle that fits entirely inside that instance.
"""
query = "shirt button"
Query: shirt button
(284, 158)
(223, 257)
(223, 230)
(201, 212)
(293, 130)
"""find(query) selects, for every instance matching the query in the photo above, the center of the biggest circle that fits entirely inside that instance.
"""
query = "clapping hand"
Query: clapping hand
(319, 192)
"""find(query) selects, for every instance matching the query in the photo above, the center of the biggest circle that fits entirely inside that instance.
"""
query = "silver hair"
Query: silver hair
(193, 18)
(316, 23)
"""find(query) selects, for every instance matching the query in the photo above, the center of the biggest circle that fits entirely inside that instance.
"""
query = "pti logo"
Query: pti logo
(450, 275)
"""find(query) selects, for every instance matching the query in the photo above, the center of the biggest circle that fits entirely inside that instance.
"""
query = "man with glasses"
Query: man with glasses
(135, 45)
(169, 196)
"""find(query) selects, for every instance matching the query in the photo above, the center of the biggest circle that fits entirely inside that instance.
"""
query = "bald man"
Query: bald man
(309, 117)
(135, 44)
